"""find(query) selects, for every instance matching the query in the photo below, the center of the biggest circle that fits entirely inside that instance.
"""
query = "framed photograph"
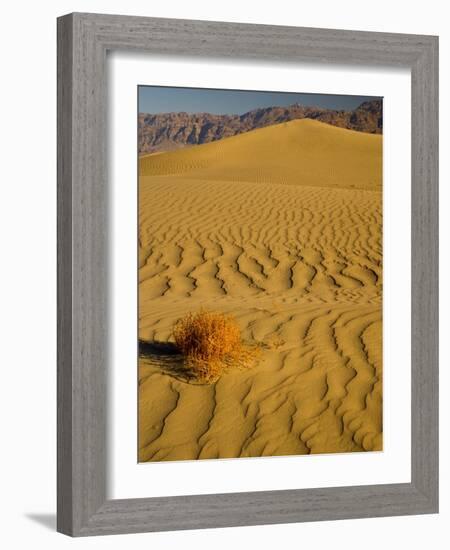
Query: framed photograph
(247, 274)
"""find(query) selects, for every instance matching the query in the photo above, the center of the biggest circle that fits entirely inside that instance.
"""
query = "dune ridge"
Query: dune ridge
(174, 130)
(288, 153)
(280, 227)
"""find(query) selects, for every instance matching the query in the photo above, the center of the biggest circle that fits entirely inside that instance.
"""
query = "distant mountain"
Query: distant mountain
(169, 131)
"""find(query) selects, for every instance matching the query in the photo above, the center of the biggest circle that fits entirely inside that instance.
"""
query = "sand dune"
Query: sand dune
(282, 228)
(300, 152)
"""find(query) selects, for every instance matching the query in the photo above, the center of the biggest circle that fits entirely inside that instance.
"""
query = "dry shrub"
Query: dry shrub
(211, 344)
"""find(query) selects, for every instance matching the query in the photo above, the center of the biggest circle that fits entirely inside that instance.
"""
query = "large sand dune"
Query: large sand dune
(282, 228)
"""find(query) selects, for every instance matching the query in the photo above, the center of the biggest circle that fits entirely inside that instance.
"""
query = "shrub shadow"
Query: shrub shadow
(167, 357)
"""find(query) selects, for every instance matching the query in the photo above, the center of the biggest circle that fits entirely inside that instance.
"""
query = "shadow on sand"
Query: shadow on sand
(167, 357)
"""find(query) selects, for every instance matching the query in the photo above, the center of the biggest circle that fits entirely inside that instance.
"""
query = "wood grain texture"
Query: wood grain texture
(64, 329)
(424, 276)
(83, 40)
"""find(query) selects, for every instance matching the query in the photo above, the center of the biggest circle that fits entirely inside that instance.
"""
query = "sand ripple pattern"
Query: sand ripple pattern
(299, 266)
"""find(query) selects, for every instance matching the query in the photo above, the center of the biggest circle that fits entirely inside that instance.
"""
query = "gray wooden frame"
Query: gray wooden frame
(83, 40)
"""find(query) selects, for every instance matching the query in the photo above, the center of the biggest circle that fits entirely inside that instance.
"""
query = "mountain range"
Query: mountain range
(170, 131)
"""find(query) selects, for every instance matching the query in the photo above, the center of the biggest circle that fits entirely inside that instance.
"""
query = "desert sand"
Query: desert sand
(282, 228)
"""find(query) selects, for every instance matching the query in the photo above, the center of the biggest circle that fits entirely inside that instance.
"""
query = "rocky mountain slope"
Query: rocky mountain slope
(169, 131)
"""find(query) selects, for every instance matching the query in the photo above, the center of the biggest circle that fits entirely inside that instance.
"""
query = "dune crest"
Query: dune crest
(280, 227)
(300, 152)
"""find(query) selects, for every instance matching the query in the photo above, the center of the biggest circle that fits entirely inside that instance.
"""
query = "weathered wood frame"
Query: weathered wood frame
(83, 40)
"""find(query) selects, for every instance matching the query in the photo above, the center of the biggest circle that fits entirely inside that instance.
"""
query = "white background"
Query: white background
(28, 302)
(131, 480)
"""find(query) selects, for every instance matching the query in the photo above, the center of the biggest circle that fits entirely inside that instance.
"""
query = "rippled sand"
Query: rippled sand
(282, 228)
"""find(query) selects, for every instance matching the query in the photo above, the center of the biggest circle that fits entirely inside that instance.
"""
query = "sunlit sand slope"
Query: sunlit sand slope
(282, 228)
(300, 152)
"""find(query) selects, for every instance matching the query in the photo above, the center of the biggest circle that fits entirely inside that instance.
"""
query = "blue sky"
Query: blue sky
(160, 99)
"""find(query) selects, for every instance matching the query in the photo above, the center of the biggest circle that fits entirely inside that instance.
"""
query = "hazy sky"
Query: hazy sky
(160, 99)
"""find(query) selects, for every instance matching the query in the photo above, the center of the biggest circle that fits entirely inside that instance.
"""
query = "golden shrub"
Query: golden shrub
(211, 344)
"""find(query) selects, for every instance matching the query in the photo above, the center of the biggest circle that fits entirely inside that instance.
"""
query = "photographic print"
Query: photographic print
(260, 273)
